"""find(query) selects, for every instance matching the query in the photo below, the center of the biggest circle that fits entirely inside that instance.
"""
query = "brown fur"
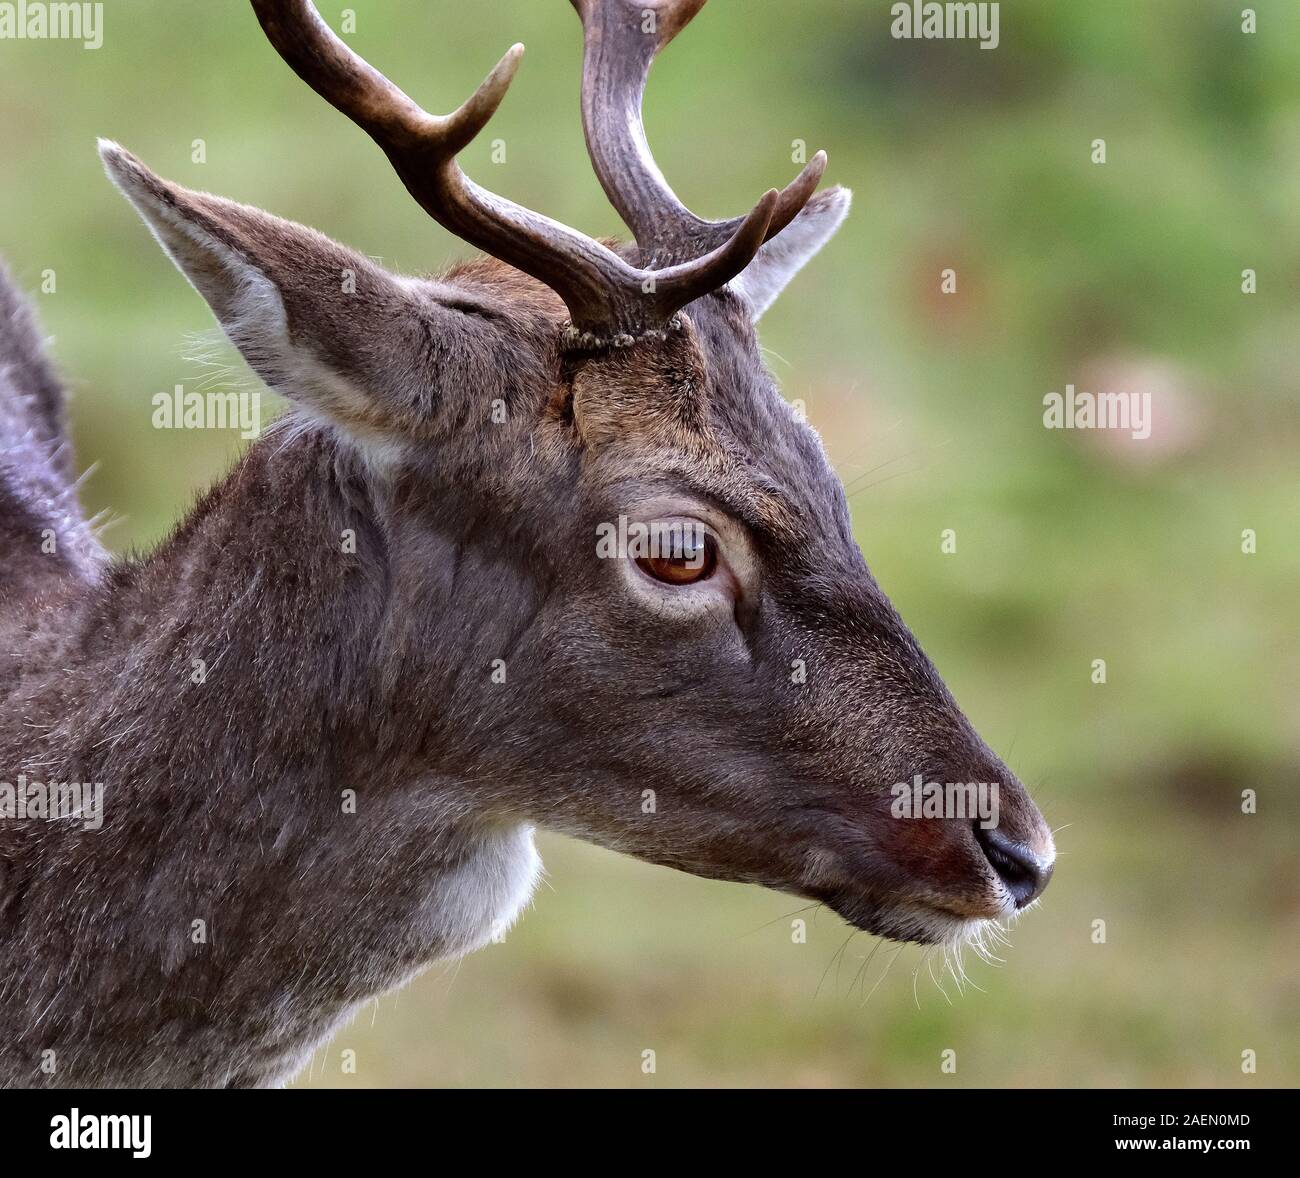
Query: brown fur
(371, 671)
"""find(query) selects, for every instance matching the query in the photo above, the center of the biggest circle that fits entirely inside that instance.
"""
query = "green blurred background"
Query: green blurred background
(1070, 546)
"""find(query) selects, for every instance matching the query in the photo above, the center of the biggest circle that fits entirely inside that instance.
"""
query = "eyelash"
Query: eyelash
(680, 570)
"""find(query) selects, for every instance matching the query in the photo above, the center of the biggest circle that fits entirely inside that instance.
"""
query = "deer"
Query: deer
(351, 790)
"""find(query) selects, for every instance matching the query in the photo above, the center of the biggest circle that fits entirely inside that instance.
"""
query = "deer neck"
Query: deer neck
(274, 848)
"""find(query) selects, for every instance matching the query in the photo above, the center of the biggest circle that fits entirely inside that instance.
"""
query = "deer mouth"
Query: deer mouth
(919, 922)
(977, 878)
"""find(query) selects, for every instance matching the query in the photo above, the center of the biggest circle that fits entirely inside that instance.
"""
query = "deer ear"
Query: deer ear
(316, 321)
(793, 248)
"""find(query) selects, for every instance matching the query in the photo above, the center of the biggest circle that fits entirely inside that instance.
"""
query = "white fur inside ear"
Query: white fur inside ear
(790, 250)
(245, 300)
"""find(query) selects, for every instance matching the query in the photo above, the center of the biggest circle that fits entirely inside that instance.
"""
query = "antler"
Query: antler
(606, 296)
(621, 40)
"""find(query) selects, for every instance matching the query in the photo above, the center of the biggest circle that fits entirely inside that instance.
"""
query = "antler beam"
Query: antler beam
(607, 297)
(621, 39)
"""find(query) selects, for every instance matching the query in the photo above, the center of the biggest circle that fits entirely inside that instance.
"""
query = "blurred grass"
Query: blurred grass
(1068, 551)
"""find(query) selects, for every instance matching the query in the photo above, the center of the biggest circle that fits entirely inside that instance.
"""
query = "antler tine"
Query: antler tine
(343, 79)
(422, 149)
(607, 298)
(621, 40)
(684, 283)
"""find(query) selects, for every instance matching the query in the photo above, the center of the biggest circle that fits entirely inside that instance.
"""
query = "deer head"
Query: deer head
(739, 699)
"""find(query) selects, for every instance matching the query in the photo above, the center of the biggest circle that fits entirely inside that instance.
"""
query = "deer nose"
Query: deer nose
(1024, 871)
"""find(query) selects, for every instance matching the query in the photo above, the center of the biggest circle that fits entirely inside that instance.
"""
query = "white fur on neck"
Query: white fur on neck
(467, 907)
(484, 896)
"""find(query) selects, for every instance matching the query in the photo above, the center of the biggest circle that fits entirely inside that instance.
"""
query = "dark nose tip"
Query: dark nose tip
(1024, 872)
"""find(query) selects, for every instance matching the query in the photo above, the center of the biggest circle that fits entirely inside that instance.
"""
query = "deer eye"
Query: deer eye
(684, 557)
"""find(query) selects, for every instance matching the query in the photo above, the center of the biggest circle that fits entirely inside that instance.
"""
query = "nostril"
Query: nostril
(1024, 873)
